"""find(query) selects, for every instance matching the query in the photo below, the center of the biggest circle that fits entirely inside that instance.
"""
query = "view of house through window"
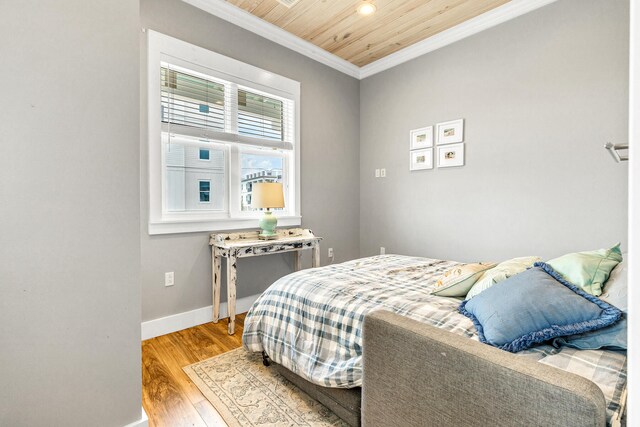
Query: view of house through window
(191, 184)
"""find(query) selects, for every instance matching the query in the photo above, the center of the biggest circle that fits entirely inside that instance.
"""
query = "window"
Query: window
(205, 191)
(204, 154)
(258, 167)
(217, 124)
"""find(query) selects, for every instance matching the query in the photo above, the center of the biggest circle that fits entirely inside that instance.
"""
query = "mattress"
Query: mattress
(310, 322)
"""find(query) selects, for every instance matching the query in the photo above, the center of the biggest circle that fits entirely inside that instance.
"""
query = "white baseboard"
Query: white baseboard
(177, 322)
(142, 422)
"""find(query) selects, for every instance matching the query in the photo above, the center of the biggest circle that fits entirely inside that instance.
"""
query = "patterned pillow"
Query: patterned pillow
(457, 281)
(501, 272)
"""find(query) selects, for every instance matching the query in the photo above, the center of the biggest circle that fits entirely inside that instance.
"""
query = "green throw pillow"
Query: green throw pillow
(588, 270)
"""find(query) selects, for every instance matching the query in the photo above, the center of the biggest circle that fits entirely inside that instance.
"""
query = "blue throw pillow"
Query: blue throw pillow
(534, 306)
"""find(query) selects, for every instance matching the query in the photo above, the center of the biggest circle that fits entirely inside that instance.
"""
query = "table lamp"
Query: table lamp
(267, 195)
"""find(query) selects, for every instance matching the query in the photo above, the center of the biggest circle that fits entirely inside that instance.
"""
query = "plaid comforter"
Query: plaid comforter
(311, 321)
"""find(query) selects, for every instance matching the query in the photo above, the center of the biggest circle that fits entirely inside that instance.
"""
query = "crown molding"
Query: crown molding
(475, 25)
(246, 20)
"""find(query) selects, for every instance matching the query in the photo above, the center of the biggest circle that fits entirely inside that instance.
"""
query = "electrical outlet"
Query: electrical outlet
(382, 250)
(377, 173)
(169, 279)
(330, 253)
(383, 173)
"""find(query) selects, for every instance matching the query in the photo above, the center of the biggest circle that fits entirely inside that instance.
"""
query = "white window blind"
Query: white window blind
(200, 105)
(192, 101)
(260, 116)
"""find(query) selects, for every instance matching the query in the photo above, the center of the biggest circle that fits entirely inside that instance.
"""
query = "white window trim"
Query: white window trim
(159, 46)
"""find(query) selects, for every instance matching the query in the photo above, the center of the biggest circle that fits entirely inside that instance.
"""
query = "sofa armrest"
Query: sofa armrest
(416, 375)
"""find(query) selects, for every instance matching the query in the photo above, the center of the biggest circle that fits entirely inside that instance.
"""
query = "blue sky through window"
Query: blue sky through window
(252, 163)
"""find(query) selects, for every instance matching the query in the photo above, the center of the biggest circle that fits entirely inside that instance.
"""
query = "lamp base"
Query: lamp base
(268, 226)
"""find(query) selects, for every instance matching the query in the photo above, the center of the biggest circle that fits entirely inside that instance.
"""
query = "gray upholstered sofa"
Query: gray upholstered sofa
(418, 375)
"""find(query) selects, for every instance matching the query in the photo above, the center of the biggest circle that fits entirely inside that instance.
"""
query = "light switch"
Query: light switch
(169, 279)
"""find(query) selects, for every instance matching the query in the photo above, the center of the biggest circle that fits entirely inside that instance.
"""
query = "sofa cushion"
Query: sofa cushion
(534, 306)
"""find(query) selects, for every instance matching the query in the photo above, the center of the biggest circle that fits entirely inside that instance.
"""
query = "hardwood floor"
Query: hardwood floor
(168, 396)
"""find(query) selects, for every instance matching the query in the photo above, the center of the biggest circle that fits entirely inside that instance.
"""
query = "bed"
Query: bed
(311, 322)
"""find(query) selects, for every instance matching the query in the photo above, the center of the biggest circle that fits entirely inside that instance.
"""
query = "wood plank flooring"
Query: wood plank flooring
(168, 395)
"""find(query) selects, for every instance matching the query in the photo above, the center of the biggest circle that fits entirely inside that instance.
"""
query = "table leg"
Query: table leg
(231, 291)
(216, 263)
(316, 255)
(297, 260)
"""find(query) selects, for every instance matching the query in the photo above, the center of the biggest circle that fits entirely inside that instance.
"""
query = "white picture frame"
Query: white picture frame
(450, 132)
(451, 155)
(421, 159)
(421, 138)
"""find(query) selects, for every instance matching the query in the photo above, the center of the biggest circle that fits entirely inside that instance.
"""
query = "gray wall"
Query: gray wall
(69, 213)
(540, 96)
(329, 169)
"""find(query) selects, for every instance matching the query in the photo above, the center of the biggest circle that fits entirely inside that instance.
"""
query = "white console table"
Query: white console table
(241, 245)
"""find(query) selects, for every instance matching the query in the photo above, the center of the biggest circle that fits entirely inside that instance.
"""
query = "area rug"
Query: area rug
(247, 393)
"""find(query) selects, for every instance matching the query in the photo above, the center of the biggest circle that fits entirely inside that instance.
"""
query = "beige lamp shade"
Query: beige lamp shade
(267, 195)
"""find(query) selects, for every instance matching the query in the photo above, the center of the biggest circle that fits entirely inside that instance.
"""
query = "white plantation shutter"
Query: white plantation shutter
(201, 106)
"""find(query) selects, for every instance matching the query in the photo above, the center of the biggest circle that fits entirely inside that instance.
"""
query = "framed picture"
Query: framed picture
(421, 138)
(450, 132)
(421, 159)
(451, 155)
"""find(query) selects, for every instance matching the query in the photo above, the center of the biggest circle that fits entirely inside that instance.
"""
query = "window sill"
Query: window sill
(174, 227)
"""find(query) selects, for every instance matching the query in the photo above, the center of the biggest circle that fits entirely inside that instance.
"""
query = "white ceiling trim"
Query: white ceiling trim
(246, 20)
(475, 25)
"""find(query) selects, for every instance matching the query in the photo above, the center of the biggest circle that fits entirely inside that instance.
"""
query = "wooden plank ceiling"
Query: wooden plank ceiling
(335, 25)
